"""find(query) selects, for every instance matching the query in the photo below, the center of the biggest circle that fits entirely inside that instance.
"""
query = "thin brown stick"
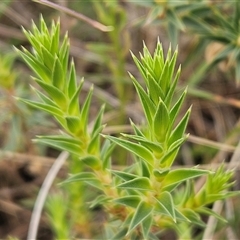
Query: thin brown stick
(78, 15)
(210, 143)
(213, 97)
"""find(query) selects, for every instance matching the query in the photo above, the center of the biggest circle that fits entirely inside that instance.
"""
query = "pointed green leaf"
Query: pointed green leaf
(147, 57)
(129, 201)
(98, 121)
(64, 51)
(45, 107)
(58, 74)
(164, 78)
(172, 89)
(128, 220)
(142, 212)
(210, 212)
(37, 66)
(88, 178)
(139, 66)
(161, 121)
(35, 29)
(92, 161)
(176, 108)
(136, 149)
(73, 124)
(55, 37)
(47, 57)
(65, 61)
(179, 130)
(72, 81)
(46, 40)
(146, 226)
(154, 90)
(43, 27)
(147, 104)
(177, 176)
(165, 205)
(73, 107)
(145, 169)
(158, 54)
(120, 234)
(53, 92)
(158, 60)
(124, 175)
(181, 217)
(106, 152)
(140, 183)
(137, 131)
(32, 39)
(94, 144)
(193, 217)
(66, 146)
(188, 194)
(83, 176)
(153, 147)
(85, 110)
(63, 138)
(44, 98)
(169, 157)
(178, 143)
(211, 198)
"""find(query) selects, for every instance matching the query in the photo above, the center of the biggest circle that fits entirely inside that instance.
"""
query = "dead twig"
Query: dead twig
(78, 15)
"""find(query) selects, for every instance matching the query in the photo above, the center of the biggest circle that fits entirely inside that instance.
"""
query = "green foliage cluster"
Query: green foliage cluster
(144, 198)
(210, 21)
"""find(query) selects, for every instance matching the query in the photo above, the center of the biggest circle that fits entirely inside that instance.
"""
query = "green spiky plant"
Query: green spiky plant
(212, 22)
(149, 196)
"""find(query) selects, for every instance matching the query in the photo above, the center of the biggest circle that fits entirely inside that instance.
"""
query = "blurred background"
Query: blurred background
(207, 35)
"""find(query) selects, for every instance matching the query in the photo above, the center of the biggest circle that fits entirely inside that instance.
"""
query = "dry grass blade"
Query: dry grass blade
(210, 143)
(80, 16)
(214, 97)
(33, 226)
